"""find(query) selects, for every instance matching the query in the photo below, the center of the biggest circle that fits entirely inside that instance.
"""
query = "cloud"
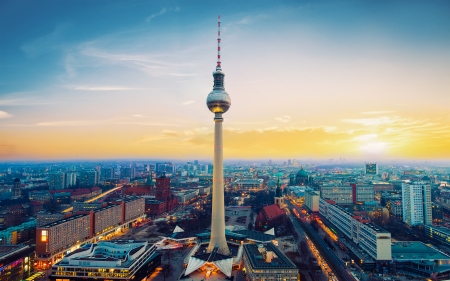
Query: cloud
(188, 102)
(160, 13)
(283, 119)
(72, 123)
(252, 18)
(377, 112)
(4, 114)
(169, 133)
(103, 88)
(148, 124)
(47, 43)
(69, 66)
(156, 65)
(365, 137)
(370, 121)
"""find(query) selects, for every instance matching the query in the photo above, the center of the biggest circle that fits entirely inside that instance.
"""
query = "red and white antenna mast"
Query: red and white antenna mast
(218, 67)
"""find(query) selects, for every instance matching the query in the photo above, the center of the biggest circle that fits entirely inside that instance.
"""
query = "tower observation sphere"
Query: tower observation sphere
(218, 101)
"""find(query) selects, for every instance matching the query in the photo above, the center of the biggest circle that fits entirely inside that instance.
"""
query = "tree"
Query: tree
(250, 226)
(168, 255)
(167, 270)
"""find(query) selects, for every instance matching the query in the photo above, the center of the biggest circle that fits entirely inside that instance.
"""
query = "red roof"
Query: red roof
(80, 192)
(272, 211)
(95, 188)
(138, 190)
(35, 203)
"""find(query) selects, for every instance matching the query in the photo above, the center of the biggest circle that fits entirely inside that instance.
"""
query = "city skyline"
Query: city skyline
(355, 80)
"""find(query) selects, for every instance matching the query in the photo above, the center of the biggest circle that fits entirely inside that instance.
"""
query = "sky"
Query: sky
(362, 80)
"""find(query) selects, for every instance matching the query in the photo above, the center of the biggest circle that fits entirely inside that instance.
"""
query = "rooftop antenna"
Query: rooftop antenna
(218, 67)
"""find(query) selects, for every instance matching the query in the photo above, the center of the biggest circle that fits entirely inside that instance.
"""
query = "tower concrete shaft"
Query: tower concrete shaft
(218, 206)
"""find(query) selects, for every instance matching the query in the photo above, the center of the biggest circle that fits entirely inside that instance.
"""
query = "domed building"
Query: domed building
(301, 178)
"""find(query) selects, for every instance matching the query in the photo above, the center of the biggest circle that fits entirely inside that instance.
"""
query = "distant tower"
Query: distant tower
(162, 188)
(279, 200)
(16, 191)
(218, 103)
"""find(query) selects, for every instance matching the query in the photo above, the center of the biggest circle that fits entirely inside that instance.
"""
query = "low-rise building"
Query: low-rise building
(376, 242)
(270, 216)
(267, 262)
(312, 200)
(16, 262)
(248, 184)
(18, 234)
(108, 260)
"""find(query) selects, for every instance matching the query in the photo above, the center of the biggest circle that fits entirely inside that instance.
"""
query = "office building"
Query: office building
(106, 173)
(17, 189)
(436, 211)
(341, 194)
(108, 260)
(362, 193)
(56, 180)
(416, 201)
(54, 239)
(60, 235)
(43, 218)
(439, 234)
(18, 234)
(88, 178)
(128, 172)
(267, 262)
(71, 179)
(371, 169)
(16, 262)
(247, 184)
(376, 242)
(312, 200)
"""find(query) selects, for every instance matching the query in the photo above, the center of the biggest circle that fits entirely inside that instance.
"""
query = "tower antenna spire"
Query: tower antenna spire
(218, 67)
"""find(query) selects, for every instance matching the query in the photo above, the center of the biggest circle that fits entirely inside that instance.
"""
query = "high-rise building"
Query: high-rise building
(164, 168)
(162, 188)
(416, 201)
(17, 188)
(371, 169)
(106, 173)
(71, 179)
(218, 102)
(56, 180)
(127, 172)
(88, 178)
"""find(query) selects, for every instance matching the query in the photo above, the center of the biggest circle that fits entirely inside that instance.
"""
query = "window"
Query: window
(44, 236)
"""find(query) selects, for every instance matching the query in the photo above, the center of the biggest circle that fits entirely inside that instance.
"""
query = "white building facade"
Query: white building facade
(416, 201)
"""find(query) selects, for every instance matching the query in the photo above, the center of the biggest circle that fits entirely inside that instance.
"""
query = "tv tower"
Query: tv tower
(218, 103)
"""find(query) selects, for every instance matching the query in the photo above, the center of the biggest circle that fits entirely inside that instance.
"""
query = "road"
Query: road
(95, 198)
(336, 264)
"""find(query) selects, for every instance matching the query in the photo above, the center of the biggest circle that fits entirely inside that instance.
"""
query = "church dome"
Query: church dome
(302, 173)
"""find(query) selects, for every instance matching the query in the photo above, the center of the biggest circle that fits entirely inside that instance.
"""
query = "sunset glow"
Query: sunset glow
(130, 80)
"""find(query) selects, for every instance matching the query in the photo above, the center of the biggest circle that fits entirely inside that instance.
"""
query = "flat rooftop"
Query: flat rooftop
(7, 249)
(413, 250)
(63, 221)
(258, 261)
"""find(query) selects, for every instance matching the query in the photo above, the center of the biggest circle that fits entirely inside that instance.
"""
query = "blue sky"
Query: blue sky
(79, 72)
